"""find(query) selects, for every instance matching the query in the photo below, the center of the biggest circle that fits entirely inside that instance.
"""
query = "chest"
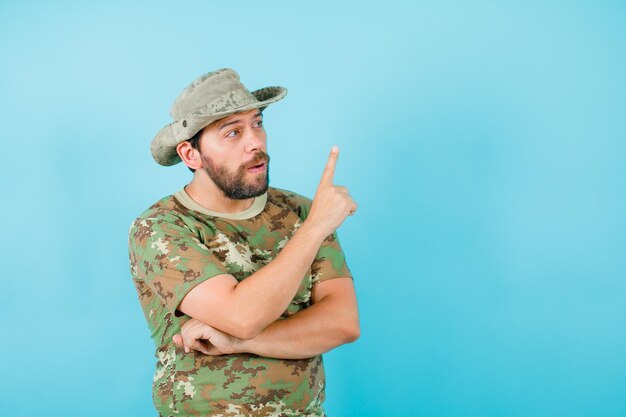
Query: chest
(244, 247)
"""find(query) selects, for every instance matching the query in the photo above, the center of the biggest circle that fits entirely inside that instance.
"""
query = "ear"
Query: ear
(189, 155)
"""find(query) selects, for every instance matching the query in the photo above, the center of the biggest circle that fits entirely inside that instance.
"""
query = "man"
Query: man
(244, 286)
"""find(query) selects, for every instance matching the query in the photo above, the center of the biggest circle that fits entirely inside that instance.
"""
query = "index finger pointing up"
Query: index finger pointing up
(329, 171)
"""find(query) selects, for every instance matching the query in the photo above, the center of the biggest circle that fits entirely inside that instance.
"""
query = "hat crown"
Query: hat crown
(206, 89)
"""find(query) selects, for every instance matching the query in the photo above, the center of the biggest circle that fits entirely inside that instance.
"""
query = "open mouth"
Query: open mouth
(257, 168)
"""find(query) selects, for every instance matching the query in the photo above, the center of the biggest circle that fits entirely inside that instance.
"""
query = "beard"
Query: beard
(235, 185)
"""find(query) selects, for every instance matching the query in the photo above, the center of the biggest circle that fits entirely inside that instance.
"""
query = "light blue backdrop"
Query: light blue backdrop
(484, 143)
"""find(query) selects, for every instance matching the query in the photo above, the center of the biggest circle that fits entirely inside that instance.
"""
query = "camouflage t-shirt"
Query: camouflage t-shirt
(175, 245)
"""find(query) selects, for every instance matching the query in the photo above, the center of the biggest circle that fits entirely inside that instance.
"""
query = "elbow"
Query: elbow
(246, 329)
(247, 333)
(352, 332)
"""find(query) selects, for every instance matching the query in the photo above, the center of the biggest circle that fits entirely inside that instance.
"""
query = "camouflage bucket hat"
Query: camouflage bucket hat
(211, 97)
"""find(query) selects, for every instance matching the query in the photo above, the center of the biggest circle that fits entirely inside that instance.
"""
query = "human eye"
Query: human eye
(258, 123)
(232, 133)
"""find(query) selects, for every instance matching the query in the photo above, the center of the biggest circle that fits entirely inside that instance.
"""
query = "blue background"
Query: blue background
(483, 141)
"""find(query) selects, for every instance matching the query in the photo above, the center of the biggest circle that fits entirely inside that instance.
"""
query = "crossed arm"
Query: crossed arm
(245, 312)
(330, 321)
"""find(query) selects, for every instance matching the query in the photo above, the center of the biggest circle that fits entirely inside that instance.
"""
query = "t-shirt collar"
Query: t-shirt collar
(257, 206)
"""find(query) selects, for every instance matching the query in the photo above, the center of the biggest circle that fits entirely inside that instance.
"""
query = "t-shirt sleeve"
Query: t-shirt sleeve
(168, 256)
(330, 261)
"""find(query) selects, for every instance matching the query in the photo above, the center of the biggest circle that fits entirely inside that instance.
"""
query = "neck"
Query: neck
(204, 192)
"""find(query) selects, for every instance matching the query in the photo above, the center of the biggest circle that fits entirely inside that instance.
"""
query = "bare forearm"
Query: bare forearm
(310, 332)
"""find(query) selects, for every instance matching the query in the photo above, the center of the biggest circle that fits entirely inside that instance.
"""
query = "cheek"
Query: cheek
(263, 137)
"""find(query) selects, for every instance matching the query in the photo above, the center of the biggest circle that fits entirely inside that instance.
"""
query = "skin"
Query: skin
(230, 144)
(232, 317)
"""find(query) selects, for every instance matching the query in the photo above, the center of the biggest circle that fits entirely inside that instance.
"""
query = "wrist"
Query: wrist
(241, 345)
(312, 231)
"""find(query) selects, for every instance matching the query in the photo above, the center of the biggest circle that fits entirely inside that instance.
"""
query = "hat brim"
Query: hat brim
(163, 146)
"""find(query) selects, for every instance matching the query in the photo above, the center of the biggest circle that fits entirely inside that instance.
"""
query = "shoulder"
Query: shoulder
(166, 211)
(289, 199)
(287, 196)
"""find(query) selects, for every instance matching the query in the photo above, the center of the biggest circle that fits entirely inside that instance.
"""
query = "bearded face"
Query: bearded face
(247, 181)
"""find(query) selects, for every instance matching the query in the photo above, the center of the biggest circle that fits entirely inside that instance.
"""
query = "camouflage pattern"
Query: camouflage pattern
(172, 248)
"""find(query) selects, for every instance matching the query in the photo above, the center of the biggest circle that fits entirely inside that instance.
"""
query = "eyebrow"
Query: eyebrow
(232, 122)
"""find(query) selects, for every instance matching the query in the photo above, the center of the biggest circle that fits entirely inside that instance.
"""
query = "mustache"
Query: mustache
(259, 158)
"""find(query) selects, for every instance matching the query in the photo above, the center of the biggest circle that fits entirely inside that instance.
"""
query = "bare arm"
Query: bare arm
(330, 321)
(244, 309)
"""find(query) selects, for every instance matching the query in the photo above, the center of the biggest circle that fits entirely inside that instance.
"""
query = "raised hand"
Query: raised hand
(331, 203)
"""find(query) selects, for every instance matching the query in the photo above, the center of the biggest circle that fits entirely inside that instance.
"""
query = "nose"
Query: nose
(255, 140)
